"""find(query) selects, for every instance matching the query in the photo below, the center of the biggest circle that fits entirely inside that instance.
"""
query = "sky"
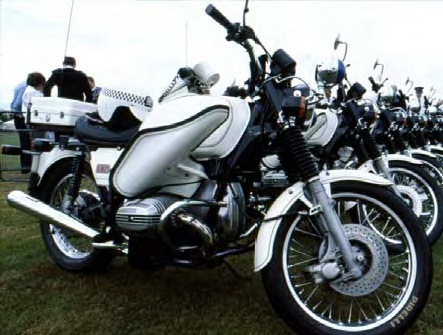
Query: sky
(138, 45)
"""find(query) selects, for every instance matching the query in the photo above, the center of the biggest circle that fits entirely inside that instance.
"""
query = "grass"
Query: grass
(37, 297)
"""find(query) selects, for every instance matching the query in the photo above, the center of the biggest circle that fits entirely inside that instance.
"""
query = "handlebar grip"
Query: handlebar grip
(371, 80)
(219, 17)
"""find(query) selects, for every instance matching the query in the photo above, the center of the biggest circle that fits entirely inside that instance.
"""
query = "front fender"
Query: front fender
(436, 149)
(265, 239)
(423, 152)
(403, 158)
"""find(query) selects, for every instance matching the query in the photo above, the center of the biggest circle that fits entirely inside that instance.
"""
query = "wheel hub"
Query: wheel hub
(371, 255)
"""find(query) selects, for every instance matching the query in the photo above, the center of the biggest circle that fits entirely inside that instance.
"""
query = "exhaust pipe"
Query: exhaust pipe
(42, 211)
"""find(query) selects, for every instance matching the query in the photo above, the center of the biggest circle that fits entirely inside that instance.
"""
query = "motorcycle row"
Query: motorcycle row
(341, 200)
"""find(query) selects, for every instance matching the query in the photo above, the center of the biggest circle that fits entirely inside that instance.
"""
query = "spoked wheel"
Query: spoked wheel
(70, 250)
(433, 165)
(394, 286)
(422, 193)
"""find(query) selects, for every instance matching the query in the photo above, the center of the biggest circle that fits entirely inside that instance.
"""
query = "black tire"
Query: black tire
(434, 165)
(417, 178)
(82, 257)
(294, 298)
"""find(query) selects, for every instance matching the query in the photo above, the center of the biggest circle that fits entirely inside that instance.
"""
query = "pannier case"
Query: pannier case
(56, 114)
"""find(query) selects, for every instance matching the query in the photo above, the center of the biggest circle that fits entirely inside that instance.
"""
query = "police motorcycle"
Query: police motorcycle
(344, 138)
(338, 251)
(416, 173)
(402, 129)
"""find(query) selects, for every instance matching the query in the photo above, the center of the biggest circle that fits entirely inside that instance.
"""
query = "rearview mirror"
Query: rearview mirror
(337, 42)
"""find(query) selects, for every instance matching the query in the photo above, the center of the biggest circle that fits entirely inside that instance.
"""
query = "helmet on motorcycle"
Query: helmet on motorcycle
(330, 72)
(386, 96)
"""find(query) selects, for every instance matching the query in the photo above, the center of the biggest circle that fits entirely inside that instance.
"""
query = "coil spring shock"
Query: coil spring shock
(400, 142)
(370, 144)
(77, 172)
(295, 156)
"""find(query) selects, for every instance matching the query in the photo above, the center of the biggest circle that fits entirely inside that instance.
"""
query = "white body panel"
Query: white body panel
(323, 129)
(168, 137)
(223, 140)
(265, 240)
(49, 111)
(102, 162)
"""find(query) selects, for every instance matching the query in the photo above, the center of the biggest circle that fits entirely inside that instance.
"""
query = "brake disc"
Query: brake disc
(412, 197)
(371, 255)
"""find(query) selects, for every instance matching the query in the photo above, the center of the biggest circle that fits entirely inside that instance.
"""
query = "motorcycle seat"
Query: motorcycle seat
(91, 130)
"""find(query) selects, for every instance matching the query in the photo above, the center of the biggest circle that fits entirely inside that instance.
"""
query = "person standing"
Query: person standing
(34, 88)
(16, 104)
(35, 83)
(71, 83)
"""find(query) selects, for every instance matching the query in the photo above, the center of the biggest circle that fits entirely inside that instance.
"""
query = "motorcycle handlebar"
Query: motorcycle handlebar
(219, 17)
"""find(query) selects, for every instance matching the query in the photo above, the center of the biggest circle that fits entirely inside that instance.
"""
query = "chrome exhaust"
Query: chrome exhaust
(42, 211)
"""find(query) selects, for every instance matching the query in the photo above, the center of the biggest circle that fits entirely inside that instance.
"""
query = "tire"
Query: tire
(68, 250)
(434, 165)
(367, 306)
(417, 179)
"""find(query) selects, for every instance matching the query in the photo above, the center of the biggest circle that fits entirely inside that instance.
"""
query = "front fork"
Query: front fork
(297, 160)
(332, 226)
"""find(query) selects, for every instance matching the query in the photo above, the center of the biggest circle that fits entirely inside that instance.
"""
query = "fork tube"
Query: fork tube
(332, 221)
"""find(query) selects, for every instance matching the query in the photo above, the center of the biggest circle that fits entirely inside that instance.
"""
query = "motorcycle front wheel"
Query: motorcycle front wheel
(422, 193)
(395, 283)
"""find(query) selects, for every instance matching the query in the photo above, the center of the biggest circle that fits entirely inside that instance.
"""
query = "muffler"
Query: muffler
(42, 211)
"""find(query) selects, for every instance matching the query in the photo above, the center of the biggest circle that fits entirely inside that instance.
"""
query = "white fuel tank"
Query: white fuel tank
(321, 132)
(172, 133)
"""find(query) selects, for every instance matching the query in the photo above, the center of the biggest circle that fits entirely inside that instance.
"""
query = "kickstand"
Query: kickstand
(235, 272)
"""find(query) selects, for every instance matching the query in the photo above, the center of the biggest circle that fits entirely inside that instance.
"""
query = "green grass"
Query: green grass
(37, 297)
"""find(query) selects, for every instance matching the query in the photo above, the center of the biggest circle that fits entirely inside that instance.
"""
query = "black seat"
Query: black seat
(117, 132)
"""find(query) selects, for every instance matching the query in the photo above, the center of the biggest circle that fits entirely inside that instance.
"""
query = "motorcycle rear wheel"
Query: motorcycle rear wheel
(385, 303)
(67, 249)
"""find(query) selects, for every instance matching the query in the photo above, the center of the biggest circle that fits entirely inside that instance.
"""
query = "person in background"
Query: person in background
(71, 83)
(94, 89)
(16, 104)
(35, 83)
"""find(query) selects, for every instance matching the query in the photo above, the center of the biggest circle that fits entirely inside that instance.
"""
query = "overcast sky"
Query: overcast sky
(138, 45)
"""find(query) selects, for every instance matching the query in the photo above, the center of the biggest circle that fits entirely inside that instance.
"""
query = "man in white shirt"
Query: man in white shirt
(35, 82)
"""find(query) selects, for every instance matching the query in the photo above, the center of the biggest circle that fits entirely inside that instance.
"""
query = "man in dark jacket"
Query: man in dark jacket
(72, 84)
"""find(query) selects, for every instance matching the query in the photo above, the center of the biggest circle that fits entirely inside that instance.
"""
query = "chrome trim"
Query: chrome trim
(42, 211)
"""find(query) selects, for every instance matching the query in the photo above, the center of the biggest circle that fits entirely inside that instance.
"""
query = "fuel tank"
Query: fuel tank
(174, 137)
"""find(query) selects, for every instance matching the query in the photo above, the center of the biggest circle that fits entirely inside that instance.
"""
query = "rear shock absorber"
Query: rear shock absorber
(77, 168)
(295, 156)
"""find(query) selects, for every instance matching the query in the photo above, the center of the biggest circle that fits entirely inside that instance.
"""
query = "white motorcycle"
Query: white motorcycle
(338, 251)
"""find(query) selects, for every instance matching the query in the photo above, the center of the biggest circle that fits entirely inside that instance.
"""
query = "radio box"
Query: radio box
(56, 114)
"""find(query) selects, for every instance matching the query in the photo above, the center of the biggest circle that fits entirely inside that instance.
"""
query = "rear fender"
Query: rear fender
(265, 239)
(48, 159)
